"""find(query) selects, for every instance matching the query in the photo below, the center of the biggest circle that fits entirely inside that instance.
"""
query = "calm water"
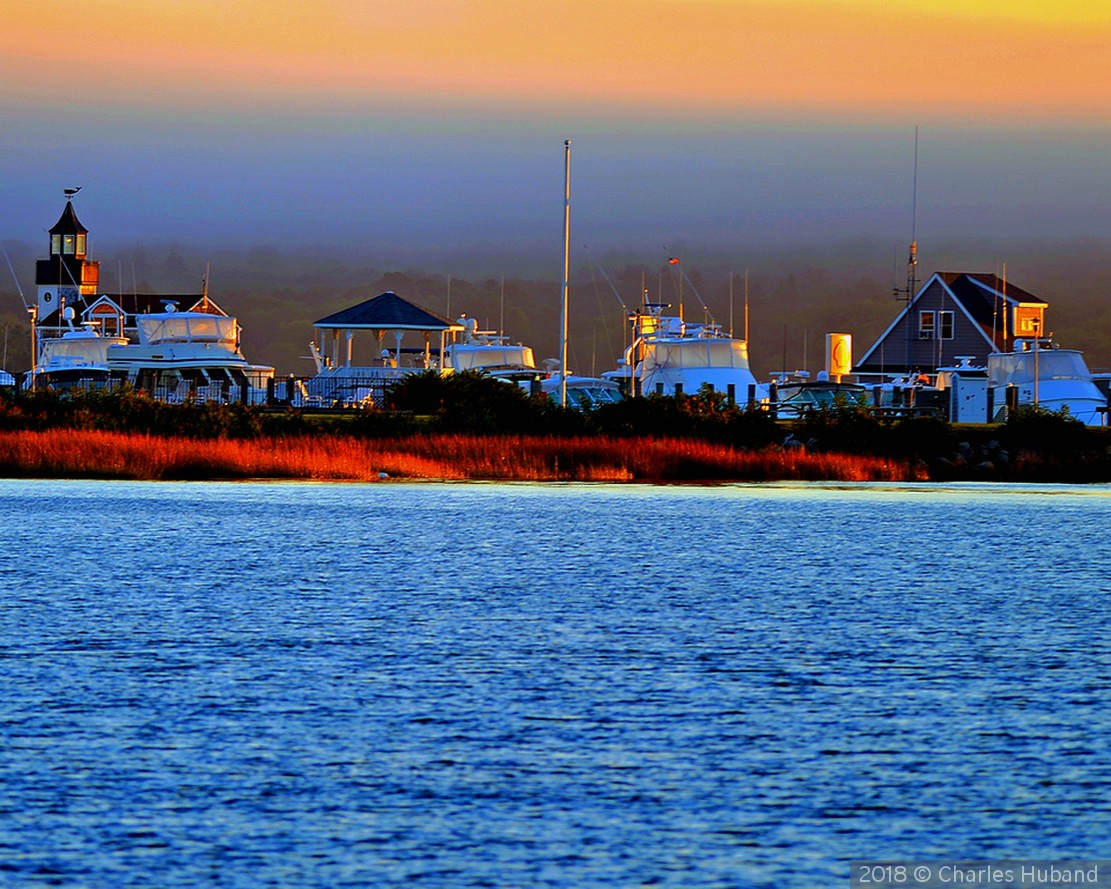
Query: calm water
(303, 685)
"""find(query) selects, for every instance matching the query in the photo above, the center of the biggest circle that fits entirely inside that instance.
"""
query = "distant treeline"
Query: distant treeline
(794, 298)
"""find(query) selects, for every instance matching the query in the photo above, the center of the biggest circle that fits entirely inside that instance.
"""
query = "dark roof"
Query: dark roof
(68, 223)
(961, 283)
(387, 311)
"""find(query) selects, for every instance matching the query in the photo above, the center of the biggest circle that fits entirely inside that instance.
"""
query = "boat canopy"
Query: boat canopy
(464, 357)
(187, 327)
(1018, 368)
(696, 353)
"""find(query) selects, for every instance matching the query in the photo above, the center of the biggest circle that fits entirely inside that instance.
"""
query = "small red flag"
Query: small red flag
(673, 260)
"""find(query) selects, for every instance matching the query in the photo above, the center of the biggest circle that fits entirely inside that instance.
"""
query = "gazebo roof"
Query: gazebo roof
(387, 311)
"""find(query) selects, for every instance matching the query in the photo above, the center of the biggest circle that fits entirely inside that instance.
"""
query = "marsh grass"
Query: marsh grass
(69, 453)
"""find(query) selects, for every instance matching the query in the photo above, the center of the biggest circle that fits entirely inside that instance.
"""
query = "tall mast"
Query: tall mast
(566, 271)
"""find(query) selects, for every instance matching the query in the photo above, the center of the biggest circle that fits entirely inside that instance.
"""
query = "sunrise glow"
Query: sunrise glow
(641, 56)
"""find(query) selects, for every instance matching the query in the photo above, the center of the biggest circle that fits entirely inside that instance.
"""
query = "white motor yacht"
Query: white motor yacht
(76, 359)
(183, 356)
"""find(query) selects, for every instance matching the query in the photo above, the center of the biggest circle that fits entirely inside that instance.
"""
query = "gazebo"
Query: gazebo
(381, 315)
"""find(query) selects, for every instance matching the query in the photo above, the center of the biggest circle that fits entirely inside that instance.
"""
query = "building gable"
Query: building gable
(954, 314)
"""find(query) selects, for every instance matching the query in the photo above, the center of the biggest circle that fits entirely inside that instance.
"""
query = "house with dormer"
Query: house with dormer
(955, 315)
(68, 279)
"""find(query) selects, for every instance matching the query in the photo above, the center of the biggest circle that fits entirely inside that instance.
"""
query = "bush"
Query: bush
(469, 402)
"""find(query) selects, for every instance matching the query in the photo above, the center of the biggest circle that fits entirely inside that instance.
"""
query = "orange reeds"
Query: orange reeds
(67, 453)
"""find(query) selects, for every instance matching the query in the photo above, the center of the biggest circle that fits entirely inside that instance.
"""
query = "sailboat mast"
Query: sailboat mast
(566, 271)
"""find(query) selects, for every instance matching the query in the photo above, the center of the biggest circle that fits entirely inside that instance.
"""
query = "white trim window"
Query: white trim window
(927, 324)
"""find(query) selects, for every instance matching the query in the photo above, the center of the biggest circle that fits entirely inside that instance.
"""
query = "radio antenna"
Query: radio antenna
(907, 294)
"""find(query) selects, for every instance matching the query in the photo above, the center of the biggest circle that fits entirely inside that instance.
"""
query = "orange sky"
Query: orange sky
(873, 58)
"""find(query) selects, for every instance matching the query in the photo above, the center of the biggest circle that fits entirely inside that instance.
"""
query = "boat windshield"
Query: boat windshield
(187, 327)
(92, 349)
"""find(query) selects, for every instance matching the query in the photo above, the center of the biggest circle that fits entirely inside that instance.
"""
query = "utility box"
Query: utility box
(968, 399)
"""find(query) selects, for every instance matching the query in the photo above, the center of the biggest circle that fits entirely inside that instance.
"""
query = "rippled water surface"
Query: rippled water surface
(303, 685)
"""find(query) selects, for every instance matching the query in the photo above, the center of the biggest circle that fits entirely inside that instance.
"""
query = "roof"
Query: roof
(979, 293)
(387, 311)
(68, 223)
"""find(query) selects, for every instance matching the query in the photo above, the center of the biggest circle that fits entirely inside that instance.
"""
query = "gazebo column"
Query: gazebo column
(350, 334)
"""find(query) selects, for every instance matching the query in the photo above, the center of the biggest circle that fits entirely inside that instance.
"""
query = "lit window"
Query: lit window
(67, 246)
(927, 322)
(81, 245)
(945, 323)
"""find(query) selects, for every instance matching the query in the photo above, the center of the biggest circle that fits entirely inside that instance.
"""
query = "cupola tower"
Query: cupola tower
(67, 277)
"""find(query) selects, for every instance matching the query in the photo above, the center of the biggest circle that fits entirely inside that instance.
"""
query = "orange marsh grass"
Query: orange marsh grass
(68, 453)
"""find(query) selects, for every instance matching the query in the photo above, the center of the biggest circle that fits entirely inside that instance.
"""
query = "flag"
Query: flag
(674, 260)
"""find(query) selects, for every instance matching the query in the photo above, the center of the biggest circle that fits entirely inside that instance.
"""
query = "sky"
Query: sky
(406, 133)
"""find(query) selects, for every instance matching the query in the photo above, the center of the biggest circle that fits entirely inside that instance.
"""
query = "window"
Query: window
(55, 245)
(945, 325)
(926, 325)
(67, 244)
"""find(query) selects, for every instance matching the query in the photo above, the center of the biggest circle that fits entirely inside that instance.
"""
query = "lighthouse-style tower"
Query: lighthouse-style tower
(67, 277)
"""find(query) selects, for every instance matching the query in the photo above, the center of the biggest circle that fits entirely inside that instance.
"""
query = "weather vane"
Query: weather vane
(70, 192)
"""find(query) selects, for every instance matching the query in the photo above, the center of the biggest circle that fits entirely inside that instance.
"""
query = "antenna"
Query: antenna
(732, 275)
(746, 306)
(912, 257)
(907, 294)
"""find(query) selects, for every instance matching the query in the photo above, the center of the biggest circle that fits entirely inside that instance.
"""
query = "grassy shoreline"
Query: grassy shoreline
(467, 427)
(79, 453)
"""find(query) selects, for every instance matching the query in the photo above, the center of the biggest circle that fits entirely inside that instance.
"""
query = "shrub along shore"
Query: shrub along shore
(473, 428)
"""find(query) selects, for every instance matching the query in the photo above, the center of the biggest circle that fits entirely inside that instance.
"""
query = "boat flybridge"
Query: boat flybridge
(671, 356)
(189, 355)
(487, 351)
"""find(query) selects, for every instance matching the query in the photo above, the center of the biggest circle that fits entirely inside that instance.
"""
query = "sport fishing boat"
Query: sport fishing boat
(671, 356)
(189, 355)
(1041, 374)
